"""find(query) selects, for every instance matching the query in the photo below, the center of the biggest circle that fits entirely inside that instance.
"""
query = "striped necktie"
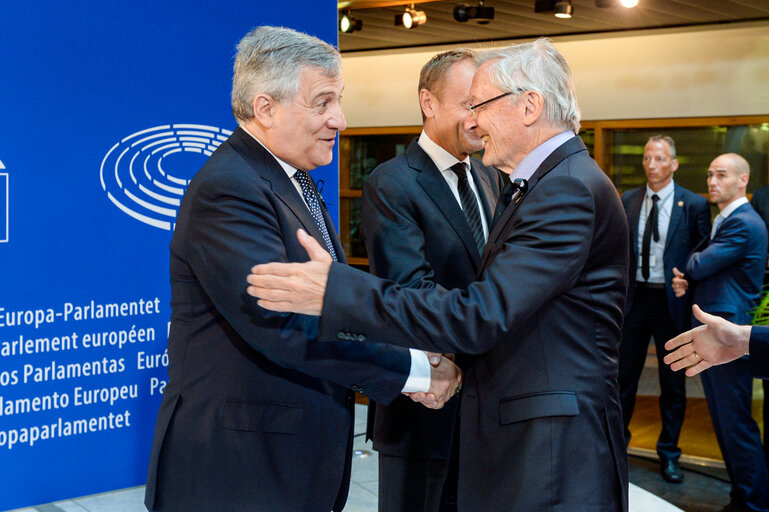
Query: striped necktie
(469, 206)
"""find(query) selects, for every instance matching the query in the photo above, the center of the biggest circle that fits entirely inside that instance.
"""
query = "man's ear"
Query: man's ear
(426, 102)
(533, 107)
(263, 107)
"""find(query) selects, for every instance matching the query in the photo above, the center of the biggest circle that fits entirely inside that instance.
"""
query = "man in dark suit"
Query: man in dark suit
(253, 417)
(727, 271)
(666, 222)
(541, 425)
(760, 203)
(421, 232)
(718, 341)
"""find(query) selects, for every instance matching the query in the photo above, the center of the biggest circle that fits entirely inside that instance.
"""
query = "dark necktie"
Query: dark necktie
(311, 198)
(506, 197)
(469, 206)
(651, 229)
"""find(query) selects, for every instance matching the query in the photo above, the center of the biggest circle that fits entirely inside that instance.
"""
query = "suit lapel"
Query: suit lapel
(634, 214)
(280, 184)
(676, 211)
(436, 188)
(500, 228)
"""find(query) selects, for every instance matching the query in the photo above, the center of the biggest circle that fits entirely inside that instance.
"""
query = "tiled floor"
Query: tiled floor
(363, 491)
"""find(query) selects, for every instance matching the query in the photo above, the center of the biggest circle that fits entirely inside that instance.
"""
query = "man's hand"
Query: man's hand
(717, 341)
(445, 381)
(293, 287)
(680, 284)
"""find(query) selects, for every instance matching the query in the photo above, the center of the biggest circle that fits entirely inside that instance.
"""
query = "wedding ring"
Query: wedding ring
(697, 356)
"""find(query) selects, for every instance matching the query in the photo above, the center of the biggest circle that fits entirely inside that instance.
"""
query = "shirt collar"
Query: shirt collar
(663, 193)
(534, 159)
(441, 158)
(729, 209)
(288, 168)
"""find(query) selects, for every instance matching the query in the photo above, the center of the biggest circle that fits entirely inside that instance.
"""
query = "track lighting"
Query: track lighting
(348, 24)
(612, 3)
(563, 9)
(480, 14)
(410, 18)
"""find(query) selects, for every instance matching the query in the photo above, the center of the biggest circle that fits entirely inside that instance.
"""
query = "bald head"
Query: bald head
(728, 177)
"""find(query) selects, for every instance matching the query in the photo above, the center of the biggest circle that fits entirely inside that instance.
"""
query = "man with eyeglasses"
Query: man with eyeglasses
(425, 216)
(666, 222)
(541, 425)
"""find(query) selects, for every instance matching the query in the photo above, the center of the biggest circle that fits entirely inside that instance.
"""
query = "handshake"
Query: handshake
(445, 381)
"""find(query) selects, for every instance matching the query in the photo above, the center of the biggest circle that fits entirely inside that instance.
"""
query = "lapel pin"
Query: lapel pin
(680, 203)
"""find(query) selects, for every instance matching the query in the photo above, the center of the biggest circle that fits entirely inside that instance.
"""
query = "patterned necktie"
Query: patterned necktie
(469, 206)
(651, 229)
(311, 198)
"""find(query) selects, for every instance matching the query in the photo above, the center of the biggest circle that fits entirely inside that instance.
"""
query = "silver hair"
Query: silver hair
(667, 140)
(537, 66)
(270, 60)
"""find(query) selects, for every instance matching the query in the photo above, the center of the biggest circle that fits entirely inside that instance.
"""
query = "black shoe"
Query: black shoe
(732, 507)
(671, 471)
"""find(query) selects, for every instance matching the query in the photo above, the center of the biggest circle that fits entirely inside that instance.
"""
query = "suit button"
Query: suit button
(340, 335)
(361, 337)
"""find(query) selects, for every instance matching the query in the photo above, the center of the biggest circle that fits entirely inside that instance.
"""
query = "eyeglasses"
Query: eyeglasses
(474, 108)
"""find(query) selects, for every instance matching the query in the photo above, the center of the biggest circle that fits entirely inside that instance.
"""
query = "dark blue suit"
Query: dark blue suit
(729, 271)
(659, 313)
(417, 235)
(254, 417)
(541, 425)
(759, 351)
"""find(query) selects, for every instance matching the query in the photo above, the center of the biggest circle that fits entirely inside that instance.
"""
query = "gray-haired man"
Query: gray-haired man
(253, 417)
(541, 425)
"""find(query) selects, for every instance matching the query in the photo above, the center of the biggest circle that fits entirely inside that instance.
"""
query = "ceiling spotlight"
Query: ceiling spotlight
(628, 3)
(480, 14)
(348, 24)
(410, 18)
(563, 9)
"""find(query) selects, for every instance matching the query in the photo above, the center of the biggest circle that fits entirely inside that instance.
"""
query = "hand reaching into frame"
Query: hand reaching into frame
(717, 341)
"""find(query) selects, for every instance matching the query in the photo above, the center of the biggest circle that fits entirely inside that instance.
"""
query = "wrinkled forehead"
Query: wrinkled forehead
(314, 81)
(658, 146)
(481, 85)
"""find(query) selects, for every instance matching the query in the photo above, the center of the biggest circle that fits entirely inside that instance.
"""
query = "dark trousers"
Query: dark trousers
(728, 389)
(409, 484)
(766, 421)
(650, 317)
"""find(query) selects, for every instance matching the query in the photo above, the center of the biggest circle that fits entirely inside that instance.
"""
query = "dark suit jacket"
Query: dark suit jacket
(254, 418)
(759, 351)
(689, 224)
(417, 235)
(541, 426)
(729, 269)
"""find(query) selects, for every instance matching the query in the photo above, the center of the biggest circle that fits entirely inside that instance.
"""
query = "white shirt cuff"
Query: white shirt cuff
(419, 377)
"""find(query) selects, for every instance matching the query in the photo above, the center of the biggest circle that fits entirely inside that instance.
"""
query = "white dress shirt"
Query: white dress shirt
(443, 160)
(656, 249)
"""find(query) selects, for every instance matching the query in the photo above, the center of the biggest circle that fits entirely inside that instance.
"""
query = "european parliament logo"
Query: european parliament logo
(146, 173)
(4, 199)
